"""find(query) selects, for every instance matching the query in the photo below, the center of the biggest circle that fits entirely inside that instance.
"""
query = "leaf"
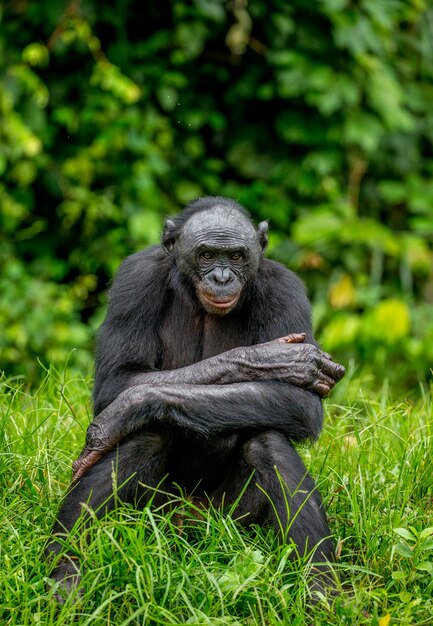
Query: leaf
(405, 596)
(212, 9)
(403, 550)
(317, 227)
(342, 293)
(417, 252)
(109, 78)
(384, 621)
(389, 321)
(427, 546)
(405, 533)
(427, 532)
(167, 97)
(393, 191)
(35, 54)
(144, 227)
(425, 566)
(371, 233)
(342, 331)
(363, 129)
(386, 97)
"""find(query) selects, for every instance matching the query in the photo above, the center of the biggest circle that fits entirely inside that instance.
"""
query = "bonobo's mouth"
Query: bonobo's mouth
(219, 303)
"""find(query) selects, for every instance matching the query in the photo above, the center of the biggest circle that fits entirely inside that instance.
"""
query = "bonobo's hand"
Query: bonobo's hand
(94, 449)
(300, 364)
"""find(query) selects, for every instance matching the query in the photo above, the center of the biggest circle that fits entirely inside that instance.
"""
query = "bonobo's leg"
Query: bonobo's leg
(291, 502)
(136, 462)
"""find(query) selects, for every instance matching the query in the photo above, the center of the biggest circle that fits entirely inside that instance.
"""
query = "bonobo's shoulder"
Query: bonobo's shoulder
(279, 279)
(142, 262)
(141, 276)
(280, 305)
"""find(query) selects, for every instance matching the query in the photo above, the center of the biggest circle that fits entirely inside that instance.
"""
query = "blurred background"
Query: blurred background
(315, 115)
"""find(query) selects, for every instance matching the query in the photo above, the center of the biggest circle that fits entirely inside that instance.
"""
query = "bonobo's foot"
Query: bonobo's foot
(323, 584)
(67, 575)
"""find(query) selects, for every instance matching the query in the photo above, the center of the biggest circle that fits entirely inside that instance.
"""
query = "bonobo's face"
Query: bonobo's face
(218, 252)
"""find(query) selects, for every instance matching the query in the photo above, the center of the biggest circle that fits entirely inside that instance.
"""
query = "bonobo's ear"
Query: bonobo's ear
(168, 235)
(262, 231)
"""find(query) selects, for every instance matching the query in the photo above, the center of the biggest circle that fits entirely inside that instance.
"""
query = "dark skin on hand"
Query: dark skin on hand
(323, 380)
(207, 373)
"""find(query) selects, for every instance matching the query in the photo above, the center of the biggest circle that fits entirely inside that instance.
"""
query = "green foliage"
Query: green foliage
(416, 561)
(373, 466)
(314, 115)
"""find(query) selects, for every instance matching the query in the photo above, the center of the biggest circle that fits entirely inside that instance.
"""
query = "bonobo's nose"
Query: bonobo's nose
(221, 276)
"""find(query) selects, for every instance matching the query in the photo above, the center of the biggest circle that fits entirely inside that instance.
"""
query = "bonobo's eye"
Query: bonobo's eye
(206, 256)
(236, 256)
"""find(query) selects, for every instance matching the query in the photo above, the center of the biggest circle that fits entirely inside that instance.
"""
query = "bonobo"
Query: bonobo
(207, 373)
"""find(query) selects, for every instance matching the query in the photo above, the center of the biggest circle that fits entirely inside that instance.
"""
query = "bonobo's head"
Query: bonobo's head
(217, 250)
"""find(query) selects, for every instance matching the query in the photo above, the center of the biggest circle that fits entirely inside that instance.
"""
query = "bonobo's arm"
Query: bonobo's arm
(205, 410)
(307, 367)
(254, 398)
(267, 392)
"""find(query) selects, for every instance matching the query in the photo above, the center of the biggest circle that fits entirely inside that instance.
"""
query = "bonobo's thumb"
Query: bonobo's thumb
(85, 461)
(292, 338)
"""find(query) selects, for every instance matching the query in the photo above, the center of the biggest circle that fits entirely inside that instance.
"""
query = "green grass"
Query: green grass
(374, 466)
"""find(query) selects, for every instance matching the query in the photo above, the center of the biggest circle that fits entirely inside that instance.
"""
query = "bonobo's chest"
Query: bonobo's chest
(187, 337)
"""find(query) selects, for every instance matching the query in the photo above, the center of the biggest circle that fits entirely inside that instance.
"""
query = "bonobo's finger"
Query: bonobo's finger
(292, 338)
(320, 388)
(327, 380)
(85, 461)
(335, 370)
(326, 355)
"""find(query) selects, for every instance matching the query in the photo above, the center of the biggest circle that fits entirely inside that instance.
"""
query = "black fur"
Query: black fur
(210, 436)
